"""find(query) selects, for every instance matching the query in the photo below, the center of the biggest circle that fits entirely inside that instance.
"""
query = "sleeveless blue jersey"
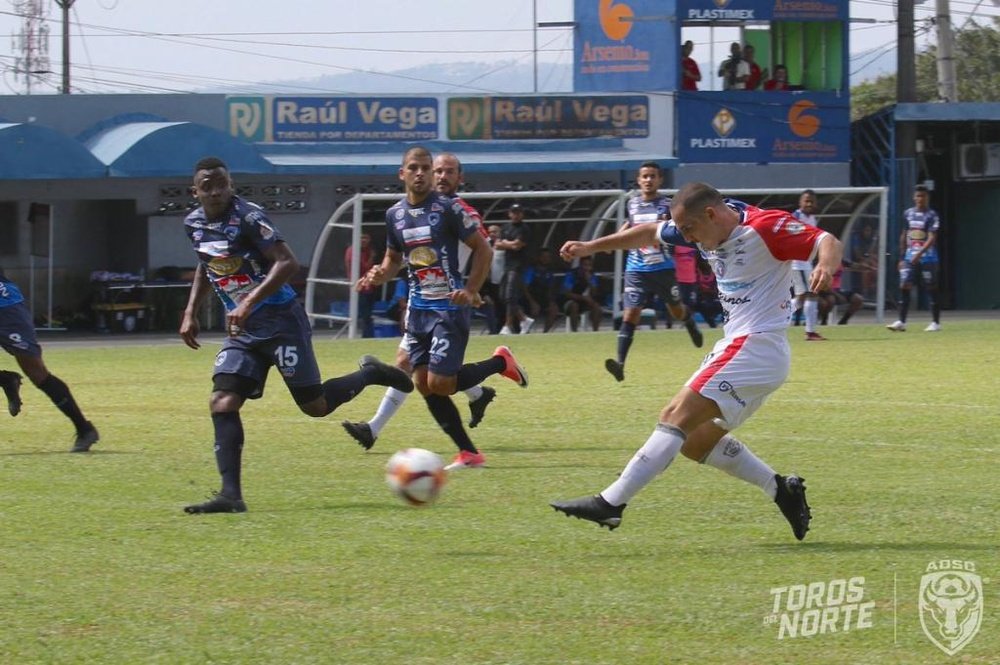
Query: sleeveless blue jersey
(428, 235)
(919, 225)
(653, 257)
(231, 249)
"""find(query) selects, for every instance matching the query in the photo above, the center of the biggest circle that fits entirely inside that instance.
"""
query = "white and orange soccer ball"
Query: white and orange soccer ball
(416, 476)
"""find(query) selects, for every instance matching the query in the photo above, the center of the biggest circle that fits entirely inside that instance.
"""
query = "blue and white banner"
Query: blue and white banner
(274, 119)
(762, 10)
(625, 45)
(762, 127)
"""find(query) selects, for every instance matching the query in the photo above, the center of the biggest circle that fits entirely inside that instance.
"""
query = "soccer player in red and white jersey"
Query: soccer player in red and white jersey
(447, 173)
(750, 251)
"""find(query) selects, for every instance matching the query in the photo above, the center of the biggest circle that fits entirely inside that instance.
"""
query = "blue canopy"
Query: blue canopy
(170, 149)
(34, 152)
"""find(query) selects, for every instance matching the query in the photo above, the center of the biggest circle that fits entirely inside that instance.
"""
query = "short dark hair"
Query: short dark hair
(808, 191)
(417, 150)
(650, 165)
(697, 195)
(210, 164)
(921, 188)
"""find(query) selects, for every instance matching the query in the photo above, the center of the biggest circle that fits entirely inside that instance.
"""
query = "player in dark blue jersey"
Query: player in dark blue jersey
(244, 258)
(918, 259)
(648, 270)
(425, 229)
(17, 336)
(447, 170)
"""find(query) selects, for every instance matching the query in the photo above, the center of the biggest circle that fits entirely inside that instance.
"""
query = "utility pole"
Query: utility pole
(32, 42)
(947, 80)
(65, 6)
(906, 78)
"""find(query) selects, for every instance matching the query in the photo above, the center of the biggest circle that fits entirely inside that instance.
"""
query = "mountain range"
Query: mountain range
(479, 78)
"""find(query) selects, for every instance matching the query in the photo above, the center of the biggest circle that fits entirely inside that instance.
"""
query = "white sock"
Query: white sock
(648, 462)
(810, 309)
(474, 393)
(732, 456)
(390, 404)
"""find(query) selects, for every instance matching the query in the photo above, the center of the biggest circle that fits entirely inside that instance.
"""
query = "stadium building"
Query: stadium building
(97, 185)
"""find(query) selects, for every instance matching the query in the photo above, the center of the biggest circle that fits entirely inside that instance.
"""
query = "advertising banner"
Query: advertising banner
(548, 117)
(762, 10)
(762, 127)
(277, 119)
(625, 45)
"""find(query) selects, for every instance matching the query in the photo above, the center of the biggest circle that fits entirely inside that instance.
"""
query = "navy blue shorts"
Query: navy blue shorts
(278, 335)
(17, 331)
(438, 339)
(659, 282)
(922, 273)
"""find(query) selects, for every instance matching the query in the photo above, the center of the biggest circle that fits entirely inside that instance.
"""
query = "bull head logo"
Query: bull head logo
(951, 608)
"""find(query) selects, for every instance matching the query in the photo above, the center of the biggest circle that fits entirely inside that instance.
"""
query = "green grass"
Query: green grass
(897, 435)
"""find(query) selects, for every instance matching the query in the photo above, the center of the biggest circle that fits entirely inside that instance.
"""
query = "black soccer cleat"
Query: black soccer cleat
(219, 503)
(692, 328)
(85, 439)
(362, 433)
(478, 407)
(593, 508)
(11, 384)
(791, 499)
(387, 375)
(615, 368)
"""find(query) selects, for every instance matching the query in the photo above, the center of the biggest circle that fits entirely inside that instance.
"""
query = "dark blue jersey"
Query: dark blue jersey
(920, 224)
(231, 249)
(9, 293)
(428, 235)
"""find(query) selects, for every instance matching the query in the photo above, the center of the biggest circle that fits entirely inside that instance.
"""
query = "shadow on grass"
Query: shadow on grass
(66, 451)
(914, 546)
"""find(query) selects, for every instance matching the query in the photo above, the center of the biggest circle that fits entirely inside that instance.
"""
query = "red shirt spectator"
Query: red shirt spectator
(753, 81)
(780, 80)
(367, 258)
(690, 74)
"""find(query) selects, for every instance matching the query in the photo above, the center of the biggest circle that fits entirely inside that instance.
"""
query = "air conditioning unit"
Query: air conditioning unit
(978, 161)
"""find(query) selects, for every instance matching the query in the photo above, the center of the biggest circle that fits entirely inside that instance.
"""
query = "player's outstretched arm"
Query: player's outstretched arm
(630, 238)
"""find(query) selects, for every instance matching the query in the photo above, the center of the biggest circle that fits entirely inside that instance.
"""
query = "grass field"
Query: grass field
(896, 434)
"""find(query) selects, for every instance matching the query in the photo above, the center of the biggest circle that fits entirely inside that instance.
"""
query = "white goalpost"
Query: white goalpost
(558, 216)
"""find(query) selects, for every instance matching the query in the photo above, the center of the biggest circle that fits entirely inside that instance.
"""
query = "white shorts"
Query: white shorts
(741, 372)
(800, 281)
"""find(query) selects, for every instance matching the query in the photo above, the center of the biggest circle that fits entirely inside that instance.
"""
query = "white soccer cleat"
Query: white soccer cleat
(933, 327)
(526, 325)
(898, 326)
(504, 331)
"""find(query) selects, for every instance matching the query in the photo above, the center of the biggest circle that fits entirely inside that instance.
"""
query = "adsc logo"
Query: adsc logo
(951, 604)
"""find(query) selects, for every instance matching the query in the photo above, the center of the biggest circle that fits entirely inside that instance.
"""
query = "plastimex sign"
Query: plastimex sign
(750, 127)
(762, 10)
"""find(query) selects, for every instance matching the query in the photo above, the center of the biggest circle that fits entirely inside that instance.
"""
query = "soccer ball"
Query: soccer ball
(416, 476)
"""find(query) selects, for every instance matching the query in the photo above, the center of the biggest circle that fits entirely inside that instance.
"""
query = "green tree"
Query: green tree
(977, 65)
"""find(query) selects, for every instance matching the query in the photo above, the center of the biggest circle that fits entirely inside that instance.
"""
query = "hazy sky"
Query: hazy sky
(183, 45)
